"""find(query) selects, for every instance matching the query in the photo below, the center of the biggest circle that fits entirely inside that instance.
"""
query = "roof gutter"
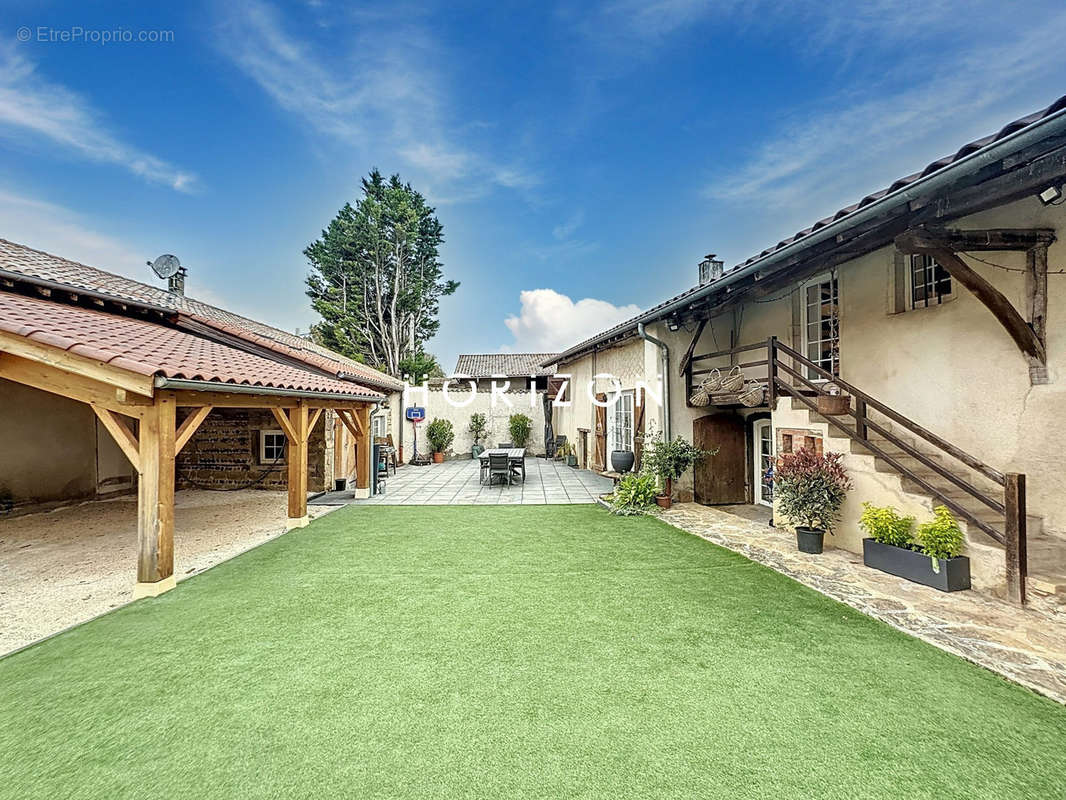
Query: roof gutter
(1049, 126)
(183, 384)
(664, 365)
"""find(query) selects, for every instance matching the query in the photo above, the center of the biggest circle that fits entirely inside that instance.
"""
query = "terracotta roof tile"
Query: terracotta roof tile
(148, 348)
(22, 260)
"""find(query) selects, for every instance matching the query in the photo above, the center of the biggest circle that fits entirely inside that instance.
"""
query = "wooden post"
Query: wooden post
(340, 466)
(1017, 566)
(860, 419)
(771, 372)
(364, 452)
(155, 499)
(298, 420)
(1036, 306)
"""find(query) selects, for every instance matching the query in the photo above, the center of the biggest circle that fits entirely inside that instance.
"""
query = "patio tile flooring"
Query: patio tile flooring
(458, 482)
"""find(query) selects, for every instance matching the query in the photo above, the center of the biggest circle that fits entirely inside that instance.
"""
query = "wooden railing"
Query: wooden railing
(785, 376)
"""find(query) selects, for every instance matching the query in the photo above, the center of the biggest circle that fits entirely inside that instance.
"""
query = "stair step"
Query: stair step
(1047, 583)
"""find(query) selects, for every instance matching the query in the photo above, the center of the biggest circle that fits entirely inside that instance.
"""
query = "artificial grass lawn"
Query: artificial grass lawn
(543, 651)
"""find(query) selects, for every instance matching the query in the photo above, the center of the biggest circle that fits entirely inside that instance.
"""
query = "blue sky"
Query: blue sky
(582, 156)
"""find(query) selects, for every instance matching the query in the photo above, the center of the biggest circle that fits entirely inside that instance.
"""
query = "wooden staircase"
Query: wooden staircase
(990, 503)
(1046, 550)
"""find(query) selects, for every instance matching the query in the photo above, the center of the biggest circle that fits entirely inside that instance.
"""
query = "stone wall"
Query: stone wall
(224, 453)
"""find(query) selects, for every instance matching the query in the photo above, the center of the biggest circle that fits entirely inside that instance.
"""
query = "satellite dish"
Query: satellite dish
(166, 266)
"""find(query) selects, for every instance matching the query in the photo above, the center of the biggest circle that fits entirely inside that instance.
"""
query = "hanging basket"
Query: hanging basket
(713, 382)
(752, 395)
(699, 398)
(732, 381)
(833, 405)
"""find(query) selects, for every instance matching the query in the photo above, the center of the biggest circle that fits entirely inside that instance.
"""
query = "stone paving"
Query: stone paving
(1026, 645)
(459, 483)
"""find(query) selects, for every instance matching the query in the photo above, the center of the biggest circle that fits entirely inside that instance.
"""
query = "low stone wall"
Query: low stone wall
(224, 453)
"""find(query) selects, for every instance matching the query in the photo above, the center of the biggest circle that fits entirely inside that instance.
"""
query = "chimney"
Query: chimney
(711, 269)
(176, 282)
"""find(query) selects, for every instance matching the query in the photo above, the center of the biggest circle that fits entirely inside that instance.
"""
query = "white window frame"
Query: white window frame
(804, 323)
(909, 304)
(757, 461)
(621, 412)
(269, 459)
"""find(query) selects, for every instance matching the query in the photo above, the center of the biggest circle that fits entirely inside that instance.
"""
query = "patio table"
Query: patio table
(516, 458)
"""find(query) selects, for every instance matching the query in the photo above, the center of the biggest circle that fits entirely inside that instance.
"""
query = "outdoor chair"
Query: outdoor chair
(499, 466)
(505, 445)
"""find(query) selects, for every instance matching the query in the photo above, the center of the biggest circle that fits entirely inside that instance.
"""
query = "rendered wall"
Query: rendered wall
(497, 416)
(47, 447)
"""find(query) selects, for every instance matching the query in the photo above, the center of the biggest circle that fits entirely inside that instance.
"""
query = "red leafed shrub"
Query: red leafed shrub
(809, 488)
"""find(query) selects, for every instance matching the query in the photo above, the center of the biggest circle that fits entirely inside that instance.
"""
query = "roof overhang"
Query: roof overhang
(1004, 154)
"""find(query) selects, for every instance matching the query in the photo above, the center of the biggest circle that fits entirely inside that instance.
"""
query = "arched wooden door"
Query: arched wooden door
(720, 478)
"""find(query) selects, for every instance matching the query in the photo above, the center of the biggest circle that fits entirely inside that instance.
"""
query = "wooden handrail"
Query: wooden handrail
(895, 416)
(962, 511)
(914, 453)
(741, 349)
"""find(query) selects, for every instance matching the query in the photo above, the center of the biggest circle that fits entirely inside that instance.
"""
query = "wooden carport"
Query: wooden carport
(139, 404)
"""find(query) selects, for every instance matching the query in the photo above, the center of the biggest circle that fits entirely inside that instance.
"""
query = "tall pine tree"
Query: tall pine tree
(376, 277)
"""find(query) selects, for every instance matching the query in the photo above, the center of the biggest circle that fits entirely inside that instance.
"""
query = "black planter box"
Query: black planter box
(916, 566)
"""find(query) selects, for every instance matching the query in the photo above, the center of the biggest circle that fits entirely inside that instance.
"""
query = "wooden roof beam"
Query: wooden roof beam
(919, 240)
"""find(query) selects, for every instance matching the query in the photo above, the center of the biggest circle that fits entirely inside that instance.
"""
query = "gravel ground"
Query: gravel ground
(65, 566)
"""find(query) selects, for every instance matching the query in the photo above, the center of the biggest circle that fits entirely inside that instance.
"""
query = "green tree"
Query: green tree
(419, 366)
(376, 277)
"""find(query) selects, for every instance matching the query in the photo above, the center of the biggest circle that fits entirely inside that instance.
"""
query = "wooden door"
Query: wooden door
(600, 456)
(721, 478)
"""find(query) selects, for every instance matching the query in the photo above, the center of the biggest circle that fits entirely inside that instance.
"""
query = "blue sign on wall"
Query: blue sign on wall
(416, 413)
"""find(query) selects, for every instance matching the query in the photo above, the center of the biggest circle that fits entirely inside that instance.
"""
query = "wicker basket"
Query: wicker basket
(699, 398)
(713, 382)
(752, 395)
(732, 381)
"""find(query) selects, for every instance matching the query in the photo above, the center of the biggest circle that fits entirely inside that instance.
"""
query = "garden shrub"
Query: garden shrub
(634, 494)
(441, 434)
(810, 487)
(520, 426)
(887, 525)
(941, 537)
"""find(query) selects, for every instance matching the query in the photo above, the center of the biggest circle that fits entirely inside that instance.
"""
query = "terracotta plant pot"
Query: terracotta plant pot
(833, 405)
(438, 458)
(664, 502)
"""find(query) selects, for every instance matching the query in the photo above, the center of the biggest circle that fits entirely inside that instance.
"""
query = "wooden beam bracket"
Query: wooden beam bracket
(121, 433)
(920, 240)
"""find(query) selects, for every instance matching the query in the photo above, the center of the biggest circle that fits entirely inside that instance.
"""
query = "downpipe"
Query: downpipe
(664, 366)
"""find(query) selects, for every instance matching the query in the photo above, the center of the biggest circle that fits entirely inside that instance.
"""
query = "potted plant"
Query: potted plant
(622, 460)
(571, 454)
(441, 434)
(809, 488)
(932, 560)
(519, 426)
(668, 461)
(478, 431)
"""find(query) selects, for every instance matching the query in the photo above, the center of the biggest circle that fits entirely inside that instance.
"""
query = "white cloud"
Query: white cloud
(387, 92)
(33, 110)
(58, 230)
(550, 321)
(821, 160)
(567, 229)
